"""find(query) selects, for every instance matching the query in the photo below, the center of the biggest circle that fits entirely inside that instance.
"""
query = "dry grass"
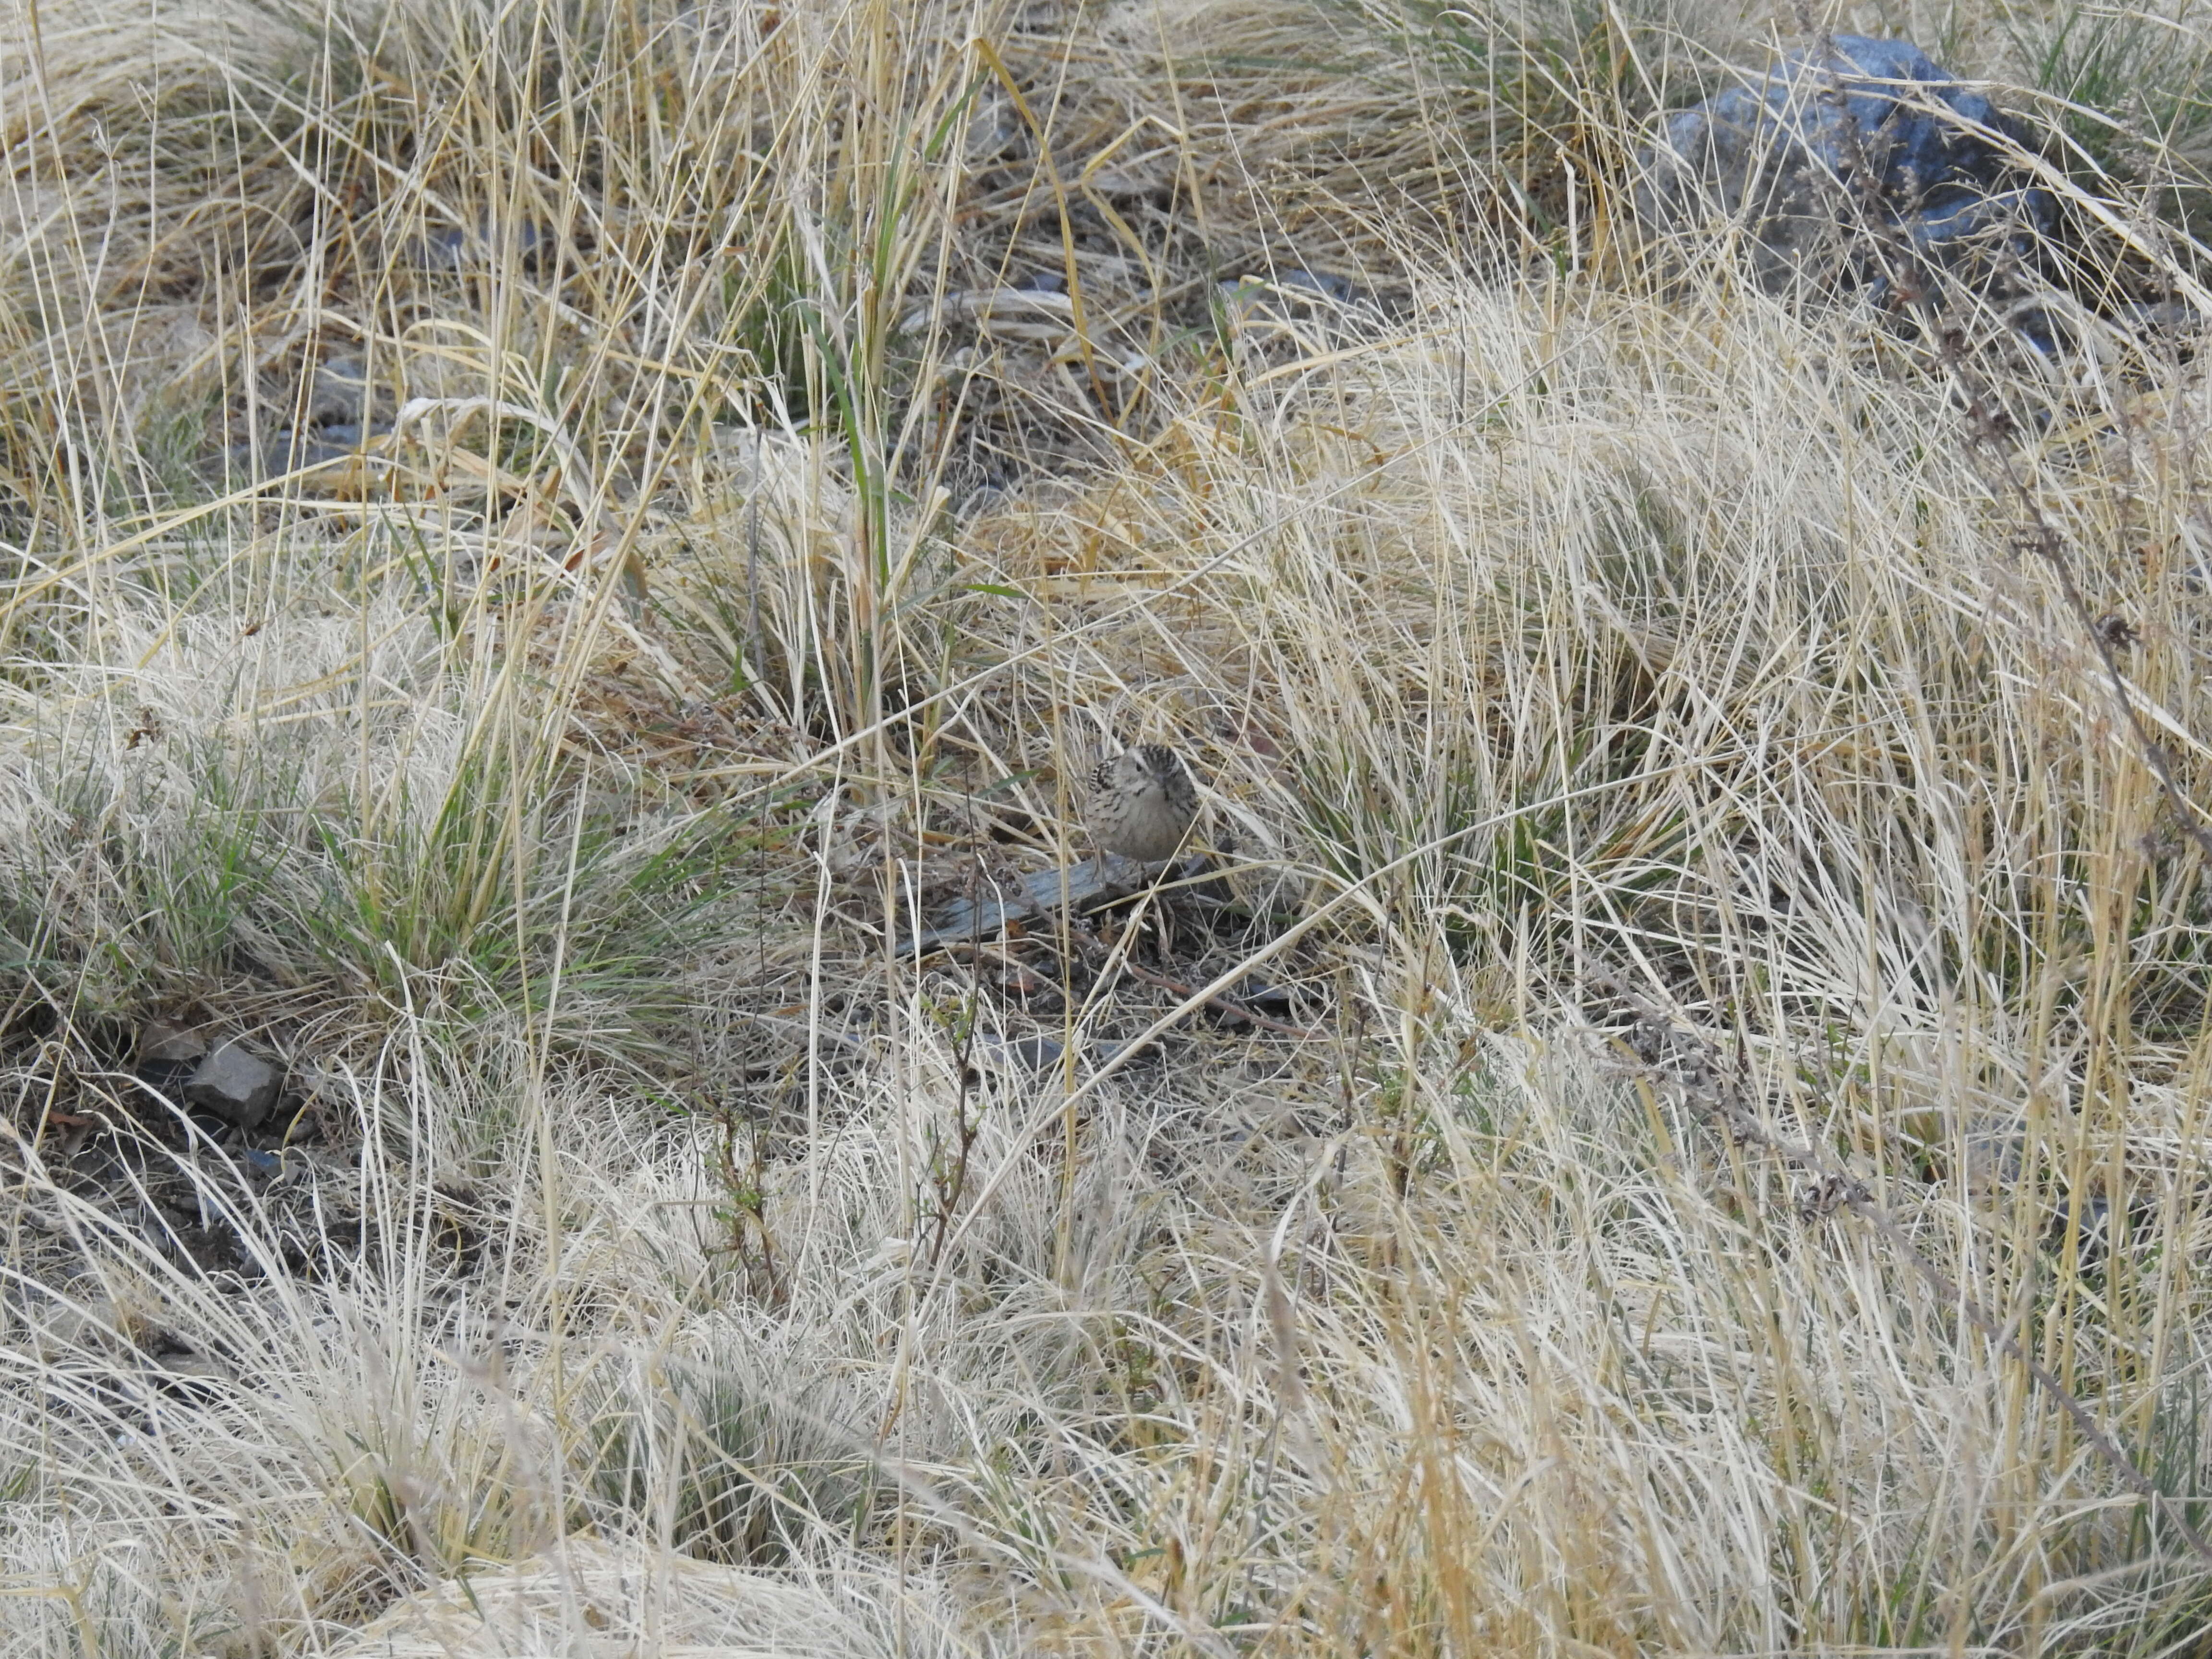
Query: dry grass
(725, 564)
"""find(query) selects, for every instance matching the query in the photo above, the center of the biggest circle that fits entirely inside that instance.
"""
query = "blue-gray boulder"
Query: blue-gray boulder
(1858, 142)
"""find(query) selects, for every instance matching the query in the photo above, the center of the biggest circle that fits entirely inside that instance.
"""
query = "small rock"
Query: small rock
(1280, 293)
(1933, 159)
(167, 1226)
(1259, 995)
(1031, 1053)
(1339, 288)
(236, 1085)
(165, 1043)
(1989, 1164)
(337, 393)
(2167, 316)
(456, 249)
(1107, 1050)
(199, 1378)
(289, 452)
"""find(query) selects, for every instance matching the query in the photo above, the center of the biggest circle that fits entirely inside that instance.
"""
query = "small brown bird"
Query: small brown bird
(1143, 803)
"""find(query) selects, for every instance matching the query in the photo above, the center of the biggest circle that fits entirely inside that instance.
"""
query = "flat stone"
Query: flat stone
(194, 1364)
(1030, 1054)
(1106, 1051)
(1784, 152)
(337, 392)
(165, 1042)
(197, 1377)
(1301, 280)
(1099, 880)
(235, 1084)
(1259, 994)
(454, 248)
(1990, 1162)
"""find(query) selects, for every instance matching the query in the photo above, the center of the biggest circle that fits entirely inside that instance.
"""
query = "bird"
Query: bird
(1143, 803)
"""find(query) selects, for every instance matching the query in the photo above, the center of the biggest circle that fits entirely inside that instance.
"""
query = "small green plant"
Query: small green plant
(738, 1460)
(2129, 91)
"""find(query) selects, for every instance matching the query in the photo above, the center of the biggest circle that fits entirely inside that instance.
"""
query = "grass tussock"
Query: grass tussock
(538, 545)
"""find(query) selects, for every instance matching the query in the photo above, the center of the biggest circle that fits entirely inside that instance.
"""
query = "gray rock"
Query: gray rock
(1107, 1050)
(1094, 881)
(1291, 291)
(165, 1043)
(193, 1368)
(235, 1084)
(1990, 1162)
(291, 451)
(1259, 996)
(1030, 1054)
(338, 392)
(1831, 151)
(1301, 281)
(455, 248)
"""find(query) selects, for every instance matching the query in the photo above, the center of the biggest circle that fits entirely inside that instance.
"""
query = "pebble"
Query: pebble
(336, 395)
(455, 248)
(165, 1043)
(236, 1085)
(1031, 1053)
